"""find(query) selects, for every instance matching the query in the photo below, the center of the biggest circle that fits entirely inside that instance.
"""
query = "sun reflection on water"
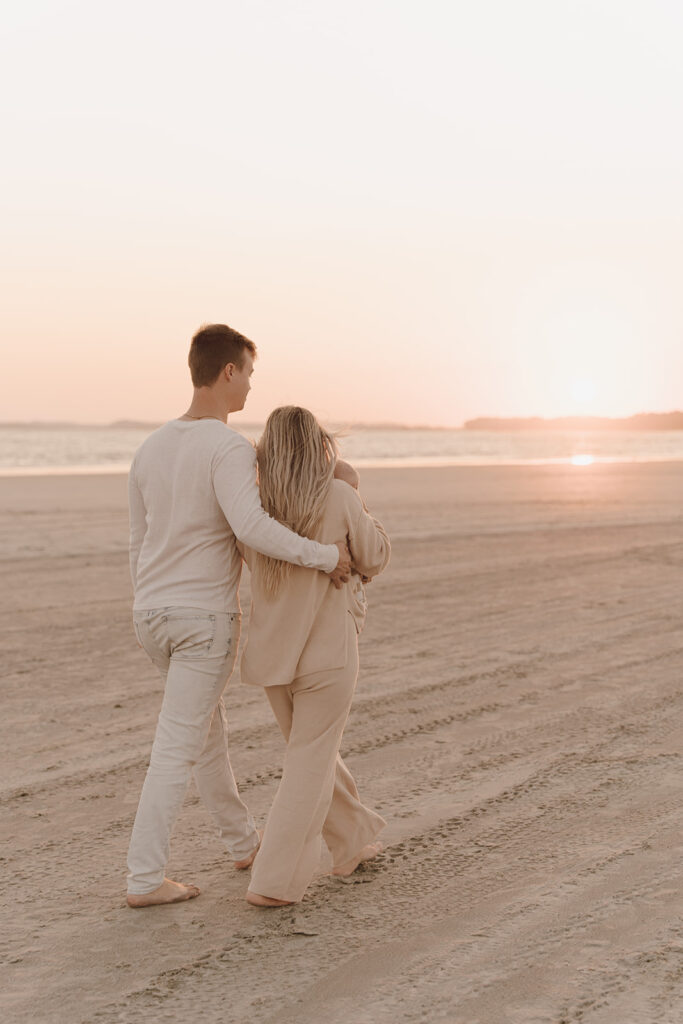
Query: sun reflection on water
(582, 460)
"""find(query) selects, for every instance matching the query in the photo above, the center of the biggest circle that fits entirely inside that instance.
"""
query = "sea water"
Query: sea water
(36, 449)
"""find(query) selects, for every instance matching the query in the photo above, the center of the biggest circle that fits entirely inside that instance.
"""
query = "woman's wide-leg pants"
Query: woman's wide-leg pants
(317, 796)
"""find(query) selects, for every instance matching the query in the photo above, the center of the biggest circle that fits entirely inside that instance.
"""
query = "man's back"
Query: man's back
(182, 547)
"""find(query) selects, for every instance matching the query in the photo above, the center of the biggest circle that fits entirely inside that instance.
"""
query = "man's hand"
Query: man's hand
(342, 572)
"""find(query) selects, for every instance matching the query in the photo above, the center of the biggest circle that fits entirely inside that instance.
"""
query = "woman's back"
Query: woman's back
(301, 629)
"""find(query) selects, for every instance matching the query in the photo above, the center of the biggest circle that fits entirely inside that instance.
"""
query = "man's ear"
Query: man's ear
(228, 371)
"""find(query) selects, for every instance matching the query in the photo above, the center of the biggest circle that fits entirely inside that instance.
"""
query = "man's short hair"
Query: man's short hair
(212, 348)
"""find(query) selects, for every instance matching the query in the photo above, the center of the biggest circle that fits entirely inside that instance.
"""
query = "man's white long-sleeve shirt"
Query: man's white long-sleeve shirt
(192, 490)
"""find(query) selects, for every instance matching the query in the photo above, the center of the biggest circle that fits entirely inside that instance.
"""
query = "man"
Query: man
(193, 492)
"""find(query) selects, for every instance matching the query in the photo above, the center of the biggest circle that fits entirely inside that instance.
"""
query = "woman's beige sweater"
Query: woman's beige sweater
(303, 628)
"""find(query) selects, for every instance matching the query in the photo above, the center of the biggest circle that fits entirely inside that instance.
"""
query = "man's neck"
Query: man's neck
(206, 407)
(202, 416)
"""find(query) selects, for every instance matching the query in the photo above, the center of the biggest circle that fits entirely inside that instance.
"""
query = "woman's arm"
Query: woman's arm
(368, 541)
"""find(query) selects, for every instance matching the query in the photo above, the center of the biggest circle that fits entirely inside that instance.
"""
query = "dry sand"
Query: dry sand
(518, 721)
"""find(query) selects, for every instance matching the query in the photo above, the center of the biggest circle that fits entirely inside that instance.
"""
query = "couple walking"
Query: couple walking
(196, 511)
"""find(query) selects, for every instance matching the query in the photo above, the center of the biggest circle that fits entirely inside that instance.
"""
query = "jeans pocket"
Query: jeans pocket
(191, 635)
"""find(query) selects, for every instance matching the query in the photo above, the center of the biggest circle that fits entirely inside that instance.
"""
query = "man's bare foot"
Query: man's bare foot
(266, 901)
(368, 852)
(248, 861)
(168, 892)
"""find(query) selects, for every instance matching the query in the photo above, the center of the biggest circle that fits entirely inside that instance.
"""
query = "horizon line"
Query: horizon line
(153, 424)
(124, 424)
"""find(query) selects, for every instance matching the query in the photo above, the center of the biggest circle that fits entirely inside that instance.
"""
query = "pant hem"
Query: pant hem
(371, 837)
(241, 856)
(143, 892)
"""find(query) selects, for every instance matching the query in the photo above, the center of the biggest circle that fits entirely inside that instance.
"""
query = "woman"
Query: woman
(303, 649)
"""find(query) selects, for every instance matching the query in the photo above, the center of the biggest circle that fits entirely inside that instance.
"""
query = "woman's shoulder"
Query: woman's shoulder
(343, 495)
(342, 507)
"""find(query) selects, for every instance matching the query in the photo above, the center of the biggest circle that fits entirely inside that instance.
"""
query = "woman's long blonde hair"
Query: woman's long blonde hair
(296, 459)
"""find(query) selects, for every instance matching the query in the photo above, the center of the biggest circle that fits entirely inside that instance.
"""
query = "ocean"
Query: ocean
(36, 450)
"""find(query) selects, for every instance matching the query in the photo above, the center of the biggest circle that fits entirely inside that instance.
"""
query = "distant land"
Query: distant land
(142, 425)
(641, 421)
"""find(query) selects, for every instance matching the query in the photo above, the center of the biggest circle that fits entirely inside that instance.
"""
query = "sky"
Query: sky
(420, 212)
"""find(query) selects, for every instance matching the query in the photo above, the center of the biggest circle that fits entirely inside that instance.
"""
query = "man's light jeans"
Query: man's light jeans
(195, 652)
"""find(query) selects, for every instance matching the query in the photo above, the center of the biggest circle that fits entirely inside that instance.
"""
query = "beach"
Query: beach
(518, 721)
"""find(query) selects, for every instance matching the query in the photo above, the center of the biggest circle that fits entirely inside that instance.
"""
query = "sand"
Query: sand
(518, 721)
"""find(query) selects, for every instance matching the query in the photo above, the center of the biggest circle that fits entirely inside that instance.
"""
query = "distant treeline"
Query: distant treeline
(642, 421)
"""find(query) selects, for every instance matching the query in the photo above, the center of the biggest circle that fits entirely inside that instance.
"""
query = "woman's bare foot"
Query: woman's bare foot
(266, 901)
(168, 892)
(368, 852)
(248, 861)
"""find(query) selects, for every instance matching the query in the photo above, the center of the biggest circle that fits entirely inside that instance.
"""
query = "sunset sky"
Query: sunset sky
(420, 212)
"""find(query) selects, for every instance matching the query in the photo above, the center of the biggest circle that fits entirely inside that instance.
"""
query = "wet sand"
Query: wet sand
(518, 722)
